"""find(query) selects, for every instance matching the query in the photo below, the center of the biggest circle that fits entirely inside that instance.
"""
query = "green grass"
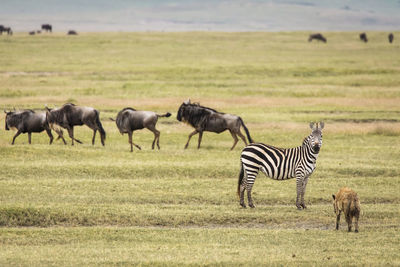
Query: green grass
(93, 205)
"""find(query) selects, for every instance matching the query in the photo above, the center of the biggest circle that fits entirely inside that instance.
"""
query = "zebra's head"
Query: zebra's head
(316, 136)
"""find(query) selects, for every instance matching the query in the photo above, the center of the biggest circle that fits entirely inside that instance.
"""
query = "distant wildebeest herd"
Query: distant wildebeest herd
(363, 37)
(313, 36)
(276, 163)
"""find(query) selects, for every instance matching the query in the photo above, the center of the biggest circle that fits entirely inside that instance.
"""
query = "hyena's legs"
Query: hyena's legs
(356, 223)
(349, 220)
(337, 221)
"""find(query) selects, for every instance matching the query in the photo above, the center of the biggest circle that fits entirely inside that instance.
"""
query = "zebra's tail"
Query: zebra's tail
(247, 131)
(241, 175)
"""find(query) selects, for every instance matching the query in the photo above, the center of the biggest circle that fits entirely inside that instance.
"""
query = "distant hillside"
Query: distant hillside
(207, 15)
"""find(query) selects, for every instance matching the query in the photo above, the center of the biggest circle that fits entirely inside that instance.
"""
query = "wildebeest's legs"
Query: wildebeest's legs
(190, 136)
(71, 134)
(94, 136)
(130, 140)
(60, 135)
(242, 136)
(156, 136)
(200, 137)
(133, 144)
(235, 139)
(15, 136)
(48, 131)
(29, 137)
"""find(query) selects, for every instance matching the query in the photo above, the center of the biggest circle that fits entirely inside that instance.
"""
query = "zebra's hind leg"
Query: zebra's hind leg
(242, 189)
(249, 198)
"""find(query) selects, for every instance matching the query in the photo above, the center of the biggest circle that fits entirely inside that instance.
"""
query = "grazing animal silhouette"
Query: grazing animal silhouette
(390, 37)
(47, 27)
(129, 120)
(28, 121)
(70, 115)
(72, 32)
(346, 201)
(363, 37)
(317, 36)
(207, 119)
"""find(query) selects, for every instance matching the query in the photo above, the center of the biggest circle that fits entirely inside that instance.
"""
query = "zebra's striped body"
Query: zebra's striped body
(280, 164)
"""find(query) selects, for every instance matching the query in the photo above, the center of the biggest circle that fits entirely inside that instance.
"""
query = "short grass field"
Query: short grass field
(91, 205)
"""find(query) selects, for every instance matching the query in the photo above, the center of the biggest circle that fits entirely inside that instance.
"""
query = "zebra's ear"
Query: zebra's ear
(334, 197)
(5, 111)
(312, 125)
(321, 124)
(187, 102)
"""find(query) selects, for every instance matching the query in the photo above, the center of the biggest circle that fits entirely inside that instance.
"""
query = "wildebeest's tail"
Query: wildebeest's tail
(241, 175)
(164, 115)
(100, 126)
(247, 131)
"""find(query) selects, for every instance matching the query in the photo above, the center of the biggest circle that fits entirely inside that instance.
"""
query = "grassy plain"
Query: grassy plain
(92, 205)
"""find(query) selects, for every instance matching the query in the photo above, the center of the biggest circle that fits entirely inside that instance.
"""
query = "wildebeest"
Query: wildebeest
(363, 37)
(47, 27)
(207, 119)
(390, 37)
(129, 120)
(346, 200)
(32, 33)
(72, 32)
(317, 36)
(70, 115)
(28, 121)
(5, 29)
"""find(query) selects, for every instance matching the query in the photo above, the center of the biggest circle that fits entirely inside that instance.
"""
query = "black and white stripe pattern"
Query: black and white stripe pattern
(280, 164)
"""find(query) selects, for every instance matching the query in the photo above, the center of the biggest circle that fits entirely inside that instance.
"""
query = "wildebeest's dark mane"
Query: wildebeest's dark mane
(197, 115)
(128, 108)
(200, 106)
(121, 115)
(15, 117)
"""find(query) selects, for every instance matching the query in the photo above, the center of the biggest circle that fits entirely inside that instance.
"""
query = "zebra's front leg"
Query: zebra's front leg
(303, 192)
(299, 190)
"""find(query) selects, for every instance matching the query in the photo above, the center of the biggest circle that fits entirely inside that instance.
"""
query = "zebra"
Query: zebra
(280, 164)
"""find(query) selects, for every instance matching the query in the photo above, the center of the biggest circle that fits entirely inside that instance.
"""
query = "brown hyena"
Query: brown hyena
(346, 200)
